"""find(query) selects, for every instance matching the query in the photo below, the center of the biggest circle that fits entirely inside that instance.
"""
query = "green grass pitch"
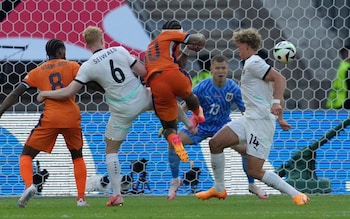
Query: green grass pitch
(152, 207)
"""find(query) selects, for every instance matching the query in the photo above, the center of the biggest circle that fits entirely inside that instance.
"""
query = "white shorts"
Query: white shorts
(256, 133)
(123, 114)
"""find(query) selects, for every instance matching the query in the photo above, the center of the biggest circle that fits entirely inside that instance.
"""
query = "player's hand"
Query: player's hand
(276, 109)
(193, 130)
(194, 47)
(40, 97)
(284, 124)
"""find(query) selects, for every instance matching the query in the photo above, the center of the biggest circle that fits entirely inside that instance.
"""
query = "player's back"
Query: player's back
(163, 51)
(111, 69)
(52, 75)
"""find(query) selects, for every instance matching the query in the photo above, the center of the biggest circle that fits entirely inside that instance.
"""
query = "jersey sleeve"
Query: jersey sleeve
(75, 68)
(83, 75)
(30, 80)
(259, 67)
(125, 53)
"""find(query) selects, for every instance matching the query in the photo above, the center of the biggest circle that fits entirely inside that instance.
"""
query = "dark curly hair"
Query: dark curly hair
(171, 25)
(52, 46)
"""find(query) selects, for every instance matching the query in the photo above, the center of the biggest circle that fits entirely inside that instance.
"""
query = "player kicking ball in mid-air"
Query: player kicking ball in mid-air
(164, 64)
(262, 91)
(116, 71)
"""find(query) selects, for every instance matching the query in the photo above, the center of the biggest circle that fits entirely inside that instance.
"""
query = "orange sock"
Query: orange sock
(80, 176)
(26, 169)
(170, 137)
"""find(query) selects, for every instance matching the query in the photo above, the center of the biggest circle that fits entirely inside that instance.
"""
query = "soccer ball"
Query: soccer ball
(97, 183)
(284, 52)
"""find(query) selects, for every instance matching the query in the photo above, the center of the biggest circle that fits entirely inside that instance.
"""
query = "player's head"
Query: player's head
(172, 25)
(219, 59)
(249, 36)
(219, 69)
(93, 36)
(248, 42)
(55, 49)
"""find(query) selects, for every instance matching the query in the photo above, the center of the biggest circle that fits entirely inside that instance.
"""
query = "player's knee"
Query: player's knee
(241, 149)
(255, 173)
(76, 153)
(29, 151)
(192, 102)
(215, 147)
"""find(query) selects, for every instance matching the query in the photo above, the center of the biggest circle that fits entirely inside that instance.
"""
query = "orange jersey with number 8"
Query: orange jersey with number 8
(52, 75)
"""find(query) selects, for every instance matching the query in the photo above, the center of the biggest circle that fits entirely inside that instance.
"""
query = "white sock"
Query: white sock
(218, 165)
(113, 169)
(273, 180)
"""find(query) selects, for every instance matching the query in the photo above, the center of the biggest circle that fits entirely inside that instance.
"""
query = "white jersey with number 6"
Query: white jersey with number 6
(124, 93)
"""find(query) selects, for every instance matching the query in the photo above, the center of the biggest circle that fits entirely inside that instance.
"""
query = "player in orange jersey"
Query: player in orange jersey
(58, 117)
(168, 81)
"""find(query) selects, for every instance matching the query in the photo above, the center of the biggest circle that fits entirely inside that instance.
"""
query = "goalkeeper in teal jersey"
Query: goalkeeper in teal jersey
(217, 96)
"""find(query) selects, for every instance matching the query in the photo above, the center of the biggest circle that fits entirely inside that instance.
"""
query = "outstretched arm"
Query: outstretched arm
(12, 98)
(196, 42)
(62, 93)
(139, 69)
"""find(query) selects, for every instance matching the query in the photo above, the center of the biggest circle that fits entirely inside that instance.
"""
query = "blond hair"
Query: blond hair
(92, 35)
(249, 36)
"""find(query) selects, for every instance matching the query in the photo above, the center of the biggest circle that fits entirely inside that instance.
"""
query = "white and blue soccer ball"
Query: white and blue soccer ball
(98, 184)
(284, 52)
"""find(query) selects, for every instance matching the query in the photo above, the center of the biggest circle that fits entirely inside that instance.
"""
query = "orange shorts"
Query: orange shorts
(44, 139)
(165, 88)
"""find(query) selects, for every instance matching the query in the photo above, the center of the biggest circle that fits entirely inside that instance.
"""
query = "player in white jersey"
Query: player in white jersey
(262, 91)
(112, 69)
(116, 71)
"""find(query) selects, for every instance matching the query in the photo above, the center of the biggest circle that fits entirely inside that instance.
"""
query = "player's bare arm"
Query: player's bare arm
(278, 92)
(62, 93)
(183, 57)
(139, 69)
(196, 42)
(284, 124)
(278, 98)
(12, 98)
(279, 84)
